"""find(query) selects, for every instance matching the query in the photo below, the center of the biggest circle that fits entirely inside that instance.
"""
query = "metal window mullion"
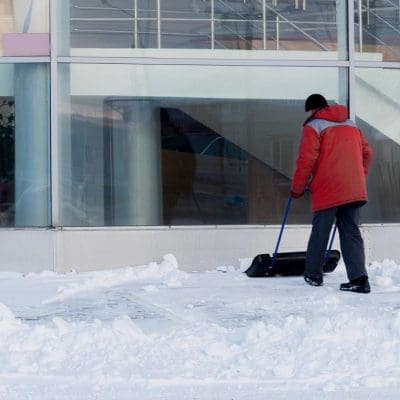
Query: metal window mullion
(360, 25)
(22, 60)
(212, 25)
(54, 159)
(264, 17)
(277, 31)
(351, 56)
(135, 26)
(378, 64)
(203, 61)
(159, 24)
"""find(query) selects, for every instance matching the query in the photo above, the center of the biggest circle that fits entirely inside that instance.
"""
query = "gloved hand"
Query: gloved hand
(296, 195)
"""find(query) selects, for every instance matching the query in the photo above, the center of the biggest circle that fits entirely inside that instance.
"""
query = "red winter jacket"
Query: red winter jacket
(333, 160)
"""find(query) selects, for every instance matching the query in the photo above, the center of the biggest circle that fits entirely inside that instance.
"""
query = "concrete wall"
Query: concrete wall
(27, 250)
(196, 248)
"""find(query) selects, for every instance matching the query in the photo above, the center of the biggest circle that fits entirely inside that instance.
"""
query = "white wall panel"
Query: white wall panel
(196, 248)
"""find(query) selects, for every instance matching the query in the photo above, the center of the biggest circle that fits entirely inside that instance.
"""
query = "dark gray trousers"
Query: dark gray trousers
(351, 242)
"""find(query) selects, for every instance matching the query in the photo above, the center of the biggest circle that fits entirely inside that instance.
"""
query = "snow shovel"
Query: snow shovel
(291, 263)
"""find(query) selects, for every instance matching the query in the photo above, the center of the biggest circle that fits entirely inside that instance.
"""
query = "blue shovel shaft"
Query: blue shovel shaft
(289, 202)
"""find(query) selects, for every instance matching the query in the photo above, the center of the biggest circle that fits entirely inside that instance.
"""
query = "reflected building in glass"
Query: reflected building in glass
(151, 117)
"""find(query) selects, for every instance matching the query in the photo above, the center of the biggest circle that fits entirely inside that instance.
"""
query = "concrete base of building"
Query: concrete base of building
(196, 248)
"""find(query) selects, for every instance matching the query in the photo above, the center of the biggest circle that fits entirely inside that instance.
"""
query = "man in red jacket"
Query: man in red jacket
(333, 163)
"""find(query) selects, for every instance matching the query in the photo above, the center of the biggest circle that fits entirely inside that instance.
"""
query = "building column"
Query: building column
(63, 84)
(342, 48)
(136, 165)
(32, 152)
(32, 155)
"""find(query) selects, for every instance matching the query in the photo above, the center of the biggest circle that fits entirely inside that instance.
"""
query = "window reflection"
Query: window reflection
(171, 145)
(7, 161)
(204, 174)
(24, 145)
(24, 27)
(377, 30)
(378, 104)
(204, 24)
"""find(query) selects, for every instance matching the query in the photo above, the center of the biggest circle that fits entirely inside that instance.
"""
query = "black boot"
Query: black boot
(359, 285)
(313, 281)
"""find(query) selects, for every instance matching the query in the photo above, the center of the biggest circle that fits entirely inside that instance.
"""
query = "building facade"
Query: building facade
(135, 128)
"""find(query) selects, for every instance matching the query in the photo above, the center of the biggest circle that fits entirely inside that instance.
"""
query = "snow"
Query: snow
(156, 332)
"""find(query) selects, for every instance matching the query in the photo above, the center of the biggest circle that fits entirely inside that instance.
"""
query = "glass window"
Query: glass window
(317, 28)
(110, 23)
(377, 30)
(238, 34)
(189, 10)
(238, 25)
(145, 8)
(96, 23)
(24, 27)
(170, 145)
(377, 107)
(181, 34)
(309, 25)
(24, 145)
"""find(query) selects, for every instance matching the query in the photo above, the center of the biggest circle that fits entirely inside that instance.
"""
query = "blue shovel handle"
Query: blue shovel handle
(281, 231)
(289, 202)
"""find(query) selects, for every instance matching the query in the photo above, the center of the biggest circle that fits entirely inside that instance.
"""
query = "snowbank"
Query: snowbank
(157, 324)
(167, 271)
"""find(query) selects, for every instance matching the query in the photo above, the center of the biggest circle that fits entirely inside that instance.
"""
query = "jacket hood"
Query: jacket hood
(336, 113)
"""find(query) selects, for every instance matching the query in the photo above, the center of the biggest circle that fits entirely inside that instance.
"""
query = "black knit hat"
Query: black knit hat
(314, 102)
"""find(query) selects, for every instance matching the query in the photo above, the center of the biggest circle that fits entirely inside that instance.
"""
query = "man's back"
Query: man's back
(336, 156)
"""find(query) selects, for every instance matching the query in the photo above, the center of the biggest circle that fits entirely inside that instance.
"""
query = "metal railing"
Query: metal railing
(259, 24)
(362, 29)
(277, 21)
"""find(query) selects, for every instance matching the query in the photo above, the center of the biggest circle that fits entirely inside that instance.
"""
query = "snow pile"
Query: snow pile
(385, 275)
(167, 271)
(171, 327)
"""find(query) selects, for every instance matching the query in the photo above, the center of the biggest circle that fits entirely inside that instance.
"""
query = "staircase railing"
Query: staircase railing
(277, 20)
(361, 7)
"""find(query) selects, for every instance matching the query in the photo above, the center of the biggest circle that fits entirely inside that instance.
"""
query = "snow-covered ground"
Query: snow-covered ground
(155, 332)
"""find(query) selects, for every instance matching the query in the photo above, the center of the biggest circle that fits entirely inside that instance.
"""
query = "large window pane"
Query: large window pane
(377, 29)
(24, 145)
(180, 34)
(311, 25)
(239, 34)
(378, 114)
(188, 10)
(155, 145)
(304, 27)
(24, 27)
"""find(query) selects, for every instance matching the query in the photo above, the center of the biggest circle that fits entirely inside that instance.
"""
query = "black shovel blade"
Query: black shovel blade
(287, 264)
